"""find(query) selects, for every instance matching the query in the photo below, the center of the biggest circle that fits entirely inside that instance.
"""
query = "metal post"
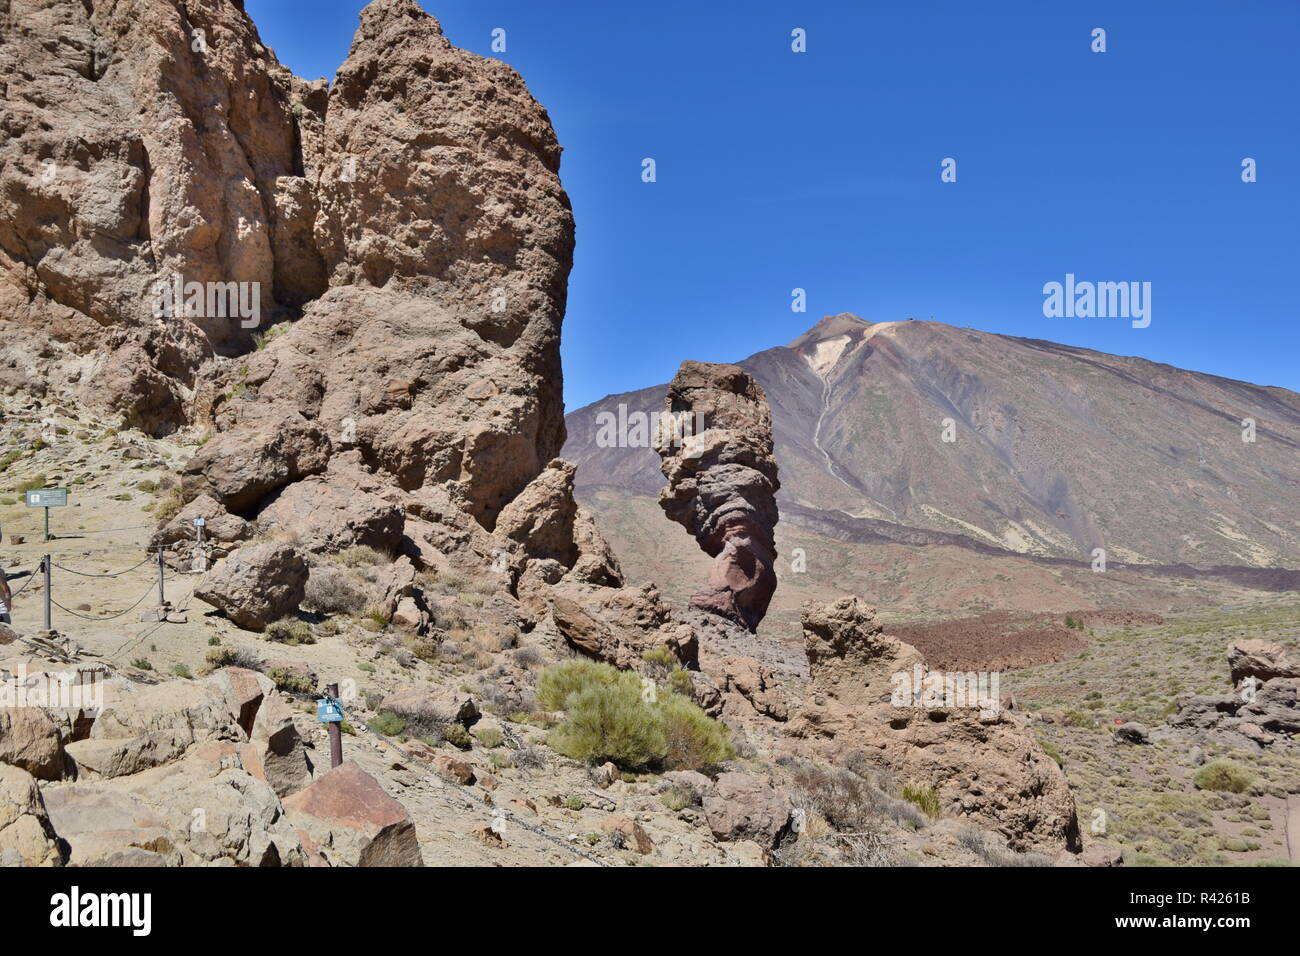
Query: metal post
(47, 523)
(45, 566)
(336, 734)
(162, 597)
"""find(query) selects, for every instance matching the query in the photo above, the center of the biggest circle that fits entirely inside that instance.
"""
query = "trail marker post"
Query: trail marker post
(329, 710)
(45, 566)
(47, 498)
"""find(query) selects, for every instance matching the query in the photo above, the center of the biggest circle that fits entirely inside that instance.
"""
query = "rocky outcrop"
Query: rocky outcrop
(403, 233)
(1261, 660)
(26, 835)
(141, 143)
(716, 446)
(209, 808)
(256, 585)
(350, 821)
(980, 759)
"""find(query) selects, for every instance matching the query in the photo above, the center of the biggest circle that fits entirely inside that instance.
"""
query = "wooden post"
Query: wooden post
(335, 732)
(45, 566)
(162, 597)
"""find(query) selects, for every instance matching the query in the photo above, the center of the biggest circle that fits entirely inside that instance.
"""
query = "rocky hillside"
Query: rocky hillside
(1055, 450)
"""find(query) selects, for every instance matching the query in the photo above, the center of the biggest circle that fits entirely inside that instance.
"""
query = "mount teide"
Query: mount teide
(1057, 451)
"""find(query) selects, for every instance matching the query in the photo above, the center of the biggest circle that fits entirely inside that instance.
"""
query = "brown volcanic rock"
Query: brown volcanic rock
(409, 220)
(353, 821)
(256, 585)
(983, 763)
(1260, 660)
(722, 484)
(131, 152)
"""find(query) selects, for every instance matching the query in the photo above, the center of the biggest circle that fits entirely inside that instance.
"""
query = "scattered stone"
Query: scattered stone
(353, 821)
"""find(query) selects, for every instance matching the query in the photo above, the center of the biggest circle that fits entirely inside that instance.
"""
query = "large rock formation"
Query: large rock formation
(404, 234)
(716, 446)
(980, 760)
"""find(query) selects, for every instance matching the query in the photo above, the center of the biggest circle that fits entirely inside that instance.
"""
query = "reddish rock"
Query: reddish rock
(722, 483)
(353, 821)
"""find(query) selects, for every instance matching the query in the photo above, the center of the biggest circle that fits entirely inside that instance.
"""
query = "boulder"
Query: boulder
(240, 468)
(353, 822)
(1261, 660)
(280, 748)
(243, 690)
(618, 625)
(633, 835)
(143, 726)
(717, 454)
(333, 512)
(256, 585)
(219, 526)
(742, 806)
(432, 705)
(208, 809)
(30, 739)
(1132, 733)
(453, 769)
(25, 828)
(751, 680)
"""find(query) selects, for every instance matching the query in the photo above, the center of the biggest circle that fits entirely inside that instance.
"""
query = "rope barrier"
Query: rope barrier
(118, 574)
(111, 616)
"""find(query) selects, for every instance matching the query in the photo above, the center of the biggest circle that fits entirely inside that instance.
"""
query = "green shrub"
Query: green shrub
(660, 656)
(142, 664)
(926, 799)
(609, 719)
(489, 737)
(360, 556)
(289, 630)
(32, 484)
(213, 641)
(181, 670)
(692, 739)
(1049, 748)
(375, 619)
(290, 680)
(387, 724)
(457, 736)
(1223, 775)
(558, 683)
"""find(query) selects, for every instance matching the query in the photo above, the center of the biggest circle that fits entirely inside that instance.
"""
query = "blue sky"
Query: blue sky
(821, 170)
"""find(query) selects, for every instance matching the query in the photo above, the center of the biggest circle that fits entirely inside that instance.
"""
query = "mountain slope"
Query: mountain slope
(1057, 450)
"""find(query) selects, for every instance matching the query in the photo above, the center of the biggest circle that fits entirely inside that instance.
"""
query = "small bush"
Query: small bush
(32, 484)
(692, 739)
(374, 619)
(1223, 775)
(360, 556)
(660, 657)
(1049, 748)
(290, 680)
(489, 737)
(213, 641)
(557, 684)
(334, 594)
(387, 724)
(142, 664)
(147, 486)
(457, 736)
(608, 719)
(289, 630)
(169, 505)
(181, 670)
(926, 799)
(574, 802)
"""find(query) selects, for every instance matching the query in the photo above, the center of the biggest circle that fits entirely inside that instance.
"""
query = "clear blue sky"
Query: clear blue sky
(821, 170)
